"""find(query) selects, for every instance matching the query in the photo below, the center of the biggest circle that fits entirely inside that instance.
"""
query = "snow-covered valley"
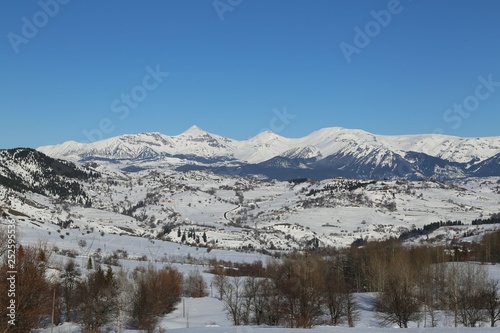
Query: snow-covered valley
(201, 209)
(190, 220)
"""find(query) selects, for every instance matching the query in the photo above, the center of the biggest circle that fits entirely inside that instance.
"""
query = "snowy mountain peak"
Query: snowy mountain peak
(266, 138)
(338, 131)
(194, 131)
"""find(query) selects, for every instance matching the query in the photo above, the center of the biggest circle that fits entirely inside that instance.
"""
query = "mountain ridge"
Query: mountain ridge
(351, 152)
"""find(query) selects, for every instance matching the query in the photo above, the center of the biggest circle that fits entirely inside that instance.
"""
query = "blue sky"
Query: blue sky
(82, 70)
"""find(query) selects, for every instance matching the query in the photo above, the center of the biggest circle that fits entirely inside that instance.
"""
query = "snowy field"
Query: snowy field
(241, 213)
(245, 215)
(207, 314)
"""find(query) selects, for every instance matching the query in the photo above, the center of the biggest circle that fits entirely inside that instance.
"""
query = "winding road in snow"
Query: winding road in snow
(225, 213)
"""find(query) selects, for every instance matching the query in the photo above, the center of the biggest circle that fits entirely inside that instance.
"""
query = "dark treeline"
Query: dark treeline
(493, 219)
(428, 229)
(228, 268)
(56, 178)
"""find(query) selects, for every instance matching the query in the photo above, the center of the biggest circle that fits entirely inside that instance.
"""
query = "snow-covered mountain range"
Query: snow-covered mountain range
(324, 153)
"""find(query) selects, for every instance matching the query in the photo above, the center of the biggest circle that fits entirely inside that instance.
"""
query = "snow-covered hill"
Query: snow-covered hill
(216, 211)
(189, 219)
(325, 153)
(26, 169)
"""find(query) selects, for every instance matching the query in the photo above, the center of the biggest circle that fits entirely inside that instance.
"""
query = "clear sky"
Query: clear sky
(82, 70)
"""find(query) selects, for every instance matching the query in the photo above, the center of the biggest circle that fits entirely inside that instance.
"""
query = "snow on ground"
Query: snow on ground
(207, 315)
(136, 247)
(235, 213)
(248, 213)
(327, 329)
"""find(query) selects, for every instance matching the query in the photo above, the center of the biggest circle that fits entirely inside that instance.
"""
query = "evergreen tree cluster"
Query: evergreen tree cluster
(191, 234)
(427, 229)
(493, 219)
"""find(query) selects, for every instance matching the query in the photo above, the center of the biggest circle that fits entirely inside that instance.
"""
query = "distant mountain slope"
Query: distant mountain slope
(486, 168)
(326, 152)
(25, 169)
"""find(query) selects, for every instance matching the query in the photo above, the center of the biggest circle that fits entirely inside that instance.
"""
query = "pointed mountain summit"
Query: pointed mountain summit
(194, 131)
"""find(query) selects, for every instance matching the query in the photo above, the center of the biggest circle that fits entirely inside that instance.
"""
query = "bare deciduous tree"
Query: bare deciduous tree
(257, 300)
(157, 292)
(221, 282)
(70, 276)
(233, 300)
(195, 285)
(299, 281)
(399, 303)
(431, 285)
(98, 300)
(472, 283)
(124, 296)
(335, 291)
(491, 301)
(33, 292)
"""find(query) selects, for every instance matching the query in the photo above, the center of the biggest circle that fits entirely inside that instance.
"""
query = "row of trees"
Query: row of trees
(418, 291)
(296, 292)
(411, 284)
(415, 283)
(299, 290)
